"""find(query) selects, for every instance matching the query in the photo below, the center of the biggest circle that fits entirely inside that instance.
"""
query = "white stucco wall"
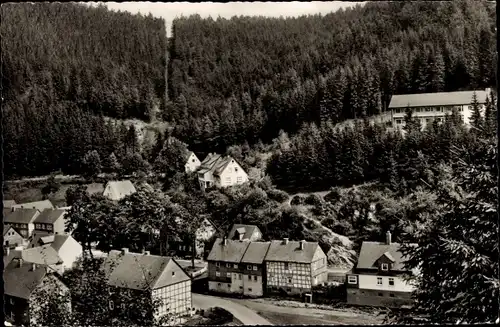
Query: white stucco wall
(370, 282)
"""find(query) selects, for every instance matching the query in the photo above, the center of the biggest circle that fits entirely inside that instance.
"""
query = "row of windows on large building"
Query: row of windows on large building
(430, 109)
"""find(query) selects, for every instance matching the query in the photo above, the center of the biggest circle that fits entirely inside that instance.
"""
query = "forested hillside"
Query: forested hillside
(249, 77)
(64, 65)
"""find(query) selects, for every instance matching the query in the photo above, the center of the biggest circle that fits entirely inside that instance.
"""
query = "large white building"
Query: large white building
(219, 171)
(428, 107)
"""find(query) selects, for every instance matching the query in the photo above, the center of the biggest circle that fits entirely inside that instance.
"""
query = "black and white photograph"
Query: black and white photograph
(250, 163)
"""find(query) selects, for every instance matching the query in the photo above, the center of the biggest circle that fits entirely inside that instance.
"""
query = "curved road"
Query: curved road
(240, 312)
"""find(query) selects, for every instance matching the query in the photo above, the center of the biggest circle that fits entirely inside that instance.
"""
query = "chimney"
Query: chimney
(241, 236)
(33, 267)
(124, 250)
(285, 240)
(388, 238)
(20, 261)
(301, 245)
(224, 241)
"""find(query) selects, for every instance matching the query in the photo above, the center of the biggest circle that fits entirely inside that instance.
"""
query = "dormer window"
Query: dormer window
(384, 267)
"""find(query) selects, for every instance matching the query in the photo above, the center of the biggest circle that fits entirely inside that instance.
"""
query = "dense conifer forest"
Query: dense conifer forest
(226, 81)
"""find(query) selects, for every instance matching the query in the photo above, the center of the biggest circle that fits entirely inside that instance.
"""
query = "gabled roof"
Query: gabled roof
(247, 230)
(372, 251)
(49, 216)
(188, 155)
(41, 255)
(256, 252)
(8, 203)
(42, 238)
(290, 252)
(21, 281)
(40, 205)
(7, 229)
(21, 216)
(233, 251)
(137, 271)
(119, 188)
(436, 99)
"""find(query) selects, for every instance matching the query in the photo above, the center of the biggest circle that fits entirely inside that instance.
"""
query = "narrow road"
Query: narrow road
(240, 312)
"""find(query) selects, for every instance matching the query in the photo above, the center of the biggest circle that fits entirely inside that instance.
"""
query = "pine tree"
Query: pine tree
(490, 119)
(476, 119)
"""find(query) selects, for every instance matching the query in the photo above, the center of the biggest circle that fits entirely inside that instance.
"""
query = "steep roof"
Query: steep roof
(247, 230)
(49, 216)
(436, 99)
(136, 270)
(371, 251)
(209, 162)
(290, 252)
(21, 281)
(121, 187)
(41, 255)
(256, 252)
(8, 228)
(42, 238)
(8, 203)
(40, 205)
(233, 251)
(21, 216)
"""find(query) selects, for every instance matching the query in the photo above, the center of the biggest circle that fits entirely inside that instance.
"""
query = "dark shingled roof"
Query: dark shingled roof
(21, 216)
(49, 216)
(233, 251)
(256, 252)
(21, 281)
(137, 271)
(40, 205)
(436, 99)
(215, 163)
(248, 231)
(371, 251)
(279, 251)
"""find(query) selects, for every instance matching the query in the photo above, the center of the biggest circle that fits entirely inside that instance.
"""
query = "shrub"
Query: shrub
(313, 200)
(298, 200)
(278, 195)
(334, 195)
(342, 228)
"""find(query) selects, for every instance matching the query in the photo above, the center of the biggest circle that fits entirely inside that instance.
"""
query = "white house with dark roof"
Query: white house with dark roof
(22, 220)
(51, 221)
(254, 269)
(378, 278)
(192, 162)
(117, 190)
(11, 238)
(151, 275)
(244, 232)
(219, 171)
(428, 107)
(294, 267)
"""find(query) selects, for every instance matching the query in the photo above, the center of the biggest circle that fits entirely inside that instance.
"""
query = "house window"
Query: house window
(255, 278)
(217, 273)
(228, 179)
(391, 295)
(229, 285)
(391, 281)
(249, 267)
(286, 265)
(249, 289)
(254, 267)
(235, 266)
(239, 179)
(240, 276)
(379, 280)
(228, 265)
(380, 294)
(173, 273)
(427, 120)
(236, 169)
(228, 274)
(398, 121)
(192, 160)
(241, 287)
(385, 266)
(289, 280)
(217, 264)
(428, 109)
(288, 289)
(218, 284)
(352, 279)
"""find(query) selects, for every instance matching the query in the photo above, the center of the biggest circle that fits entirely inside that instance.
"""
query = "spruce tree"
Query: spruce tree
(476, 119)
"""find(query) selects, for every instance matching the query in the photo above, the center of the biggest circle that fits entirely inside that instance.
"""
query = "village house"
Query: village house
(428, 107)
(11, 238)
(253, 268)
(377, 279)
(153, 276)
(40, 255)
(244, 232)
(184, 246)
(117, 190)
(192, 162)
(22, 220)
(22, 281)
(39, 205)
(51, 221)
(219, 171)
(66, 247)
(294, 267)
(224, 272)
